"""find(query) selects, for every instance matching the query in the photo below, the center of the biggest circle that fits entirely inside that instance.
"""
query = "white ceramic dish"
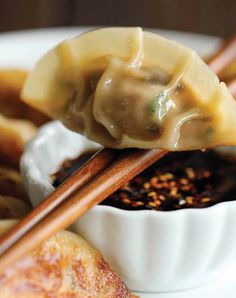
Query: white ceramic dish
(222, 287)
(152, 251)
(22, 49)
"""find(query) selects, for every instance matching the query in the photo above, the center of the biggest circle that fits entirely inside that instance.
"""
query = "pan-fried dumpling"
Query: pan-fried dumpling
(11, 82)
(13, 208)
(14, 134)
(6, 224)
(11, 184)
(64, 266)
(124, 87)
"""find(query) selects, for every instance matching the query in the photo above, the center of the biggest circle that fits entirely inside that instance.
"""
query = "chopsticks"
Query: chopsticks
(127, 165)
(103, 174)
(232, 86)
(224, 56)
(89, 170)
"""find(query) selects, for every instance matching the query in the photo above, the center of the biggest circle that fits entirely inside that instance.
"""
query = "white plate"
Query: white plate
(22, 49)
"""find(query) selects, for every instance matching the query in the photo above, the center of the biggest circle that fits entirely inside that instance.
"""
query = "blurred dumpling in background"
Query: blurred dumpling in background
(64, 266)
(18, 121)
(18, 124)
(11, 82)
(14, 134)
(6, 225)
(13, 208)
(10, 183)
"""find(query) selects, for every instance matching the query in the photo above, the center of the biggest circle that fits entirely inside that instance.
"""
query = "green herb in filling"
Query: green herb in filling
(158, 105)
(208, 132)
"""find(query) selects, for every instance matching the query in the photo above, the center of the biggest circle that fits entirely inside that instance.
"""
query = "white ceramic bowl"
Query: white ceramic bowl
(151, 250)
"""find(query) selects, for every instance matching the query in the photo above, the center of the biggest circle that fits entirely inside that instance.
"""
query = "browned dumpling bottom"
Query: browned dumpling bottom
(64, 266)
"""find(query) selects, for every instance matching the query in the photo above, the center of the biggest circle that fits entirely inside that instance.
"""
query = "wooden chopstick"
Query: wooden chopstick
(81, 177)
(127, 165)
(232, 86)
(224, 56)
(89, 170)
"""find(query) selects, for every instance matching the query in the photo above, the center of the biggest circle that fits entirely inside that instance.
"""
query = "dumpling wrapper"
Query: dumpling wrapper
(11, 82)
(11, 183)
(13, 208)
(14, 134)
(6, 224)
(64, 266)
(124, 87)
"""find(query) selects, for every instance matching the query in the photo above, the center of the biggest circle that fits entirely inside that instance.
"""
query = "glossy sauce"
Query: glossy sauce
(179, 180)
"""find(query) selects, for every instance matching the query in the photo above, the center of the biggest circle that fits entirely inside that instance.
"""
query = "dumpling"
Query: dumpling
(125, 87)
(13, 208)
(11, 184)
(11, 82)
(14, 134)
(64, 266)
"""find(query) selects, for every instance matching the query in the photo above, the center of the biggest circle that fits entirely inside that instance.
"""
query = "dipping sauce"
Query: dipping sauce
(179, 180)
(69, 167)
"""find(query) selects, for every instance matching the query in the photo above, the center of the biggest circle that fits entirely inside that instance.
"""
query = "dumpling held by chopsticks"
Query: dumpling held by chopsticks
(125, 87)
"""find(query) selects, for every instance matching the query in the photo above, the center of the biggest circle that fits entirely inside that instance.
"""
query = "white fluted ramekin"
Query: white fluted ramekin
(151, 250)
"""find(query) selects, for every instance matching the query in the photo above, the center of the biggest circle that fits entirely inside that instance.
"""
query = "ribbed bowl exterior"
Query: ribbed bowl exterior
(163, 251)
(152, 251)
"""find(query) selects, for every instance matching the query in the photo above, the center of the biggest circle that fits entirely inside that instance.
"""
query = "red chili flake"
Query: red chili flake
(126, 200)
(189, 200)
(173, 191)
(140, 203)
(152, 204)
(206, 174)
(190, 173)
(158, 185)
(162, 198)
(172, 183)
(153, 180)
(147, 185)
(205, 200)
(179, 180)
(184, 181)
